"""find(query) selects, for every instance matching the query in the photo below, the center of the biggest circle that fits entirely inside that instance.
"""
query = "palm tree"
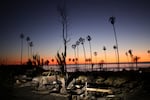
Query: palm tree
(127, 57)
(52, 60)
(112, 21)
(69, 59)
(22, 37)
(74, 47)
(95, 54)
(115, 51)
(82, 40)
(130, 52)
(135, 59)
(28, 39)
(131, 55)
(148, 51)
(89, 39)
(31, 45)
(104, 48)
(77, 44)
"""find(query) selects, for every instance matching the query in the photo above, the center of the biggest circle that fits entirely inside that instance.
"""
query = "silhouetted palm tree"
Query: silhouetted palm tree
(131, 55)
(31, 45)
(112, 21)
(69, 59)
(28, 40)
(130, 52)
(127, 57)
(89, 39)
(77, 44)
(22, 37)
(104, 48)
(148, 51)
(135, 59)
(74, 47)
(73, 60)
(115, 51)
(82, 40)
(52, 60)
(95, 54)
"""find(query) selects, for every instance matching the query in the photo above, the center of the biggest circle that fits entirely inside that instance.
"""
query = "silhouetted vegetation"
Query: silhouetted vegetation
(89, 39)
(112, 21)
(22, 37)
(82, 40)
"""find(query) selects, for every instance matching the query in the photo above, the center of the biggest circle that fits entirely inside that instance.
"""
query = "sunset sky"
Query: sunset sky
(40, 20)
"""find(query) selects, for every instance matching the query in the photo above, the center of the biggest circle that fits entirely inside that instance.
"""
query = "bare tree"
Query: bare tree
(36, 59)
(64, 21)
(61, 58)
(61, 62)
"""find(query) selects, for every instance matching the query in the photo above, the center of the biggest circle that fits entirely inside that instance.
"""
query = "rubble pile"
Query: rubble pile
(116, 87)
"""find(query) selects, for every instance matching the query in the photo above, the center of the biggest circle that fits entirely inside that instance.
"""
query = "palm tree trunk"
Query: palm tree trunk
(90, 51)
(77, 55)
(105, 60)
(117, 46)
(31, 52)
(128, 61)
(21, 51)
(28, 51)
(84, 54)
(75, 58)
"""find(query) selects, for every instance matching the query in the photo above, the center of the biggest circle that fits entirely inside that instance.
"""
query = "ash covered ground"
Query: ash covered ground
(129, 85)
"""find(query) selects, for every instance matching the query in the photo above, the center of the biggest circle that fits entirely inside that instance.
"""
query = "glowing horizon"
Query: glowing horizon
(41, 22)
(110, 59)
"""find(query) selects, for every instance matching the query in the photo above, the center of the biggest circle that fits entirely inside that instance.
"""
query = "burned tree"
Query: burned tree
(61, 57)
(64, 21)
